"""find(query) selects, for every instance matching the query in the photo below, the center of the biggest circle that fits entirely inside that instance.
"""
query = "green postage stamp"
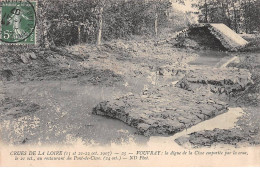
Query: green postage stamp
(18, 21)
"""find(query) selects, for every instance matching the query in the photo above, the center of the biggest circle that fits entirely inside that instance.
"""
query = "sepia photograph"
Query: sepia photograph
(130, 83)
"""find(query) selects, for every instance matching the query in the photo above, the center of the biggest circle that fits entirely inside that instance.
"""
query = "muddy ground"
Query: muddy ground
(49, 96)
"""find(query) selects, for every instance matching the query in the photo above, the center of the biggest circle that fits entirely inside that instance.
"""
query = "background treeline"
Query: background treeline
(68, 22)
(240, 15)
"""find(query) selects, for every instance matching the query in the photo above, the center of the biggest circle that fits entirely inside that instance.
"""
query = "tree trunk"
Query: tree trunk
(249, 16)
(245, 17)
(79, 34)
(45, 34)
(206, 11)
(99, 37)
(235, 16)
(156, 24)
(44, 25)
(229, 19)
(224, 11)
(239, 16)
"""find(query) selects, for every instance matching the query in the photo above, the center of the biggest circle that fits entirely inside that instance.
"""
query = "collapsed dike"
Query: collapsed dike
(153, 114)
(199, 95)
(171, 109)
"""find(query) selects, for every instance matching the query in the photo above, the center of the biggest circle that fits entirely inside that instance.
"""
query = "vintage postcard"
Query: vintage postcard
(165, 83)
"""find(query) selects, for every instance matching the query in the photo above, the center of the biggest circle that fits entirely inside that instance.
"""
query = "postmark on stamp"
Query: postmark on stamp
(18, 22)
